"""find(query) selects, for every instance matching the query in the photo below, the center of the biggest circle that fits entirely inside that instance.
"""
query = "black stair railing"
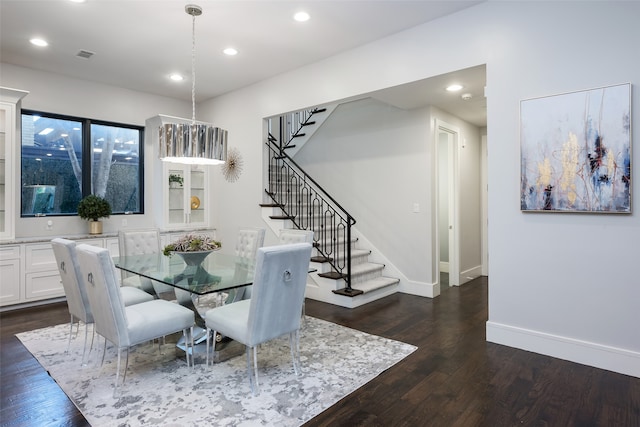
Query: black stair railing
(292, 125)
(310, 207)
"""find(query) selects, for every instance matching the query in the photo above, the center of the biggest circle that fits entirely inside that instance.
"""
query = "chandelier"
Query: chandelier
(195, 142)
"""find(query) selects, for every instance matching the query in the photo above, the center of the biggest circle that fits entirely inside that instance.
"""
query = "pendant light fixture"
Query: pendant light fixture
(197, 142)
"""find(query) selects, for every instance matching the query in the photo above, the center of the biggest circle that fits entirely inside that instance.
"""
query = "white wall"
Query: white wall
(561, 284)
(371, 158)
(58, 94)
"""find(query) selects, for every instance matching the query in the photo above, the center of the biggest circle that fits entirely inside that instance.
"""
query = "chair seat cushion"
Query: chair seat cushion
(155, 319)
(131, 295)
(230, 320)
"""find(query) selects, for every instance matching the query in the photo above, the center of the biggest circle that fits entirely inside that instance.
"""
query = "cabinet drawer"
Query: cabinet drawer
(40, 257)
(42, 285)
(9, 252)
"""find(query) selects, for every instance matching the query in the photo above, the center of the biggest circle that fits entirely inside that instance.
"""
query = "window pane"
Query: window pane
(51, 165)
(116, 166)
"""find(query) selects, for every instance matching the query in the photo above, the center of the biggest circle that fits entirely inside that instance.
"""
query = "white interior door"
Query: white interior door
(447, 137)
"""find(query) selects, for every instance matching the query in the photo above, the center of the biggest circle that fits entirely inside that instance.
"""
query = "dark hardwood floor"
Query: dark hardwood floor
(455, 378)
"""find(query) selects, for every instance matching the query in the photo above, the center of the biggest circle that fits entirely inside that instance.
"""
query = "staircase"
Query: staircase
(344, 276)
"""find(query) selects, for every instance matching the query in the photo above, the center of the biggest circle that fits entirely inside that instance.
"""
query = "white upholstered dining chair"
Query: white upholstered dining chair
(141, 242)
(274, 308)
(124, 326)
(293, 235)
(75, 289)
(247, 244)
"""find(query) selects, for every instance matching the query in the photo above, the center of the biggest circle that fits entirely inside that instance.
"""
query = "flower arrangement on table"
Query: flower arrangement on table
(192, 243)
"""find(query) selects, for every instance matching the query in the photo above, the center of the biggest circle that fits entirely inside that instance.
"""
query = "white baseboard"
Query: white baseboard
(470, 274)
(444, 267)
(587, 353)
(422, 289)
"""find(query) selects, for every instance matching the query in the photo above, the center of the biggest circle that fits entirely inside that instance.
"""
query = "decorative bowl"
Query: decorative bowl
(193, 258)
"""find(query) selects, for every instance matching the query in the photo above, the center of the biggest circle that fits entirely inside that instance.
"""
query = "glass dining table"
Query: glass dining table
(218, 279)
(218, 272)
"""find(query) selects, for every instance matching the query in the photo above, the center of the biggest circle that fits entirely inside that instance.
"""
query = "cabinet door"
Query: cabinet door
(176, 201)
(6, 190)
(186, 200)
(9, 138)
(10, 288)
(197, 198)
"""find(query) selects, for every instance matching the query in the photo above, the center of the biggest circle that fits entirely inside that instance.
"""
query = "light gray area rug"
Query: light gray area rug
(161, 390)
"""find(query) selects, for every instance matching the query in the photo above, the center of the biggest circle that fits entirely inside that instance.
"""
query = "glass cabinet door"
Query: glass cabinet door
(175, 202)
(10, 101)
(3, 170)
(187, 195)
(197, 197)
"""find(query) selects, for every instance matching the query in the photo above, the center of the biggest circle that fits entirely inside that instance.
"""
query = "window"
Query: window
(66, 158)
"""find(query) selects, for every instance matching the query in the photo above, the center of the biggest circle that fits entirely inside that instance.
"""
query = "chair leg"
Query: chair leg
(93, 335)
(70, 333)
(84, 346)
(104, 351)
(295, 350)
(207, 345)
(252, 369)
(187, 350)
(115, 388)
(126, 366)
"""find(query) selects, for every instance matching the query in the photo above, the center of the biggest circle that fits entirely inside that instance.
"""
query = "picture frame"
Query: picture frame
(575, 151)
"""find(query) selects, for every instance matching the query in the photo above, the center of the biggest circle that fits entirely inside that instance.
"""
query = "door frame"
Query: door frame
(453, 176)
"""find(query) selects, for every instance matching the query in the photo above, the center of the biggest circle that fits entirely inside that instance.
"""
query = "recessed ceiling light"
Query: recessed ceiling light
(301, 16)
(230, 51)
(176, 77)
(77, 1)
(454, 88)
(39, 42)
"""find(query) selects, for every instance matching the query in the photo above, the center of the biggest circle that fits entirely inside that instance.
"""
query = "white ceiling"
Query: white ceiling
(137, 44)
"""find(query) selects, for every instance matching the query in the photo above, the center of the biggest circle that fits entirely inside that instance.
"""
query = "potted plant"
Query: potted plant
(192, 248)
(175, 181)
(92, 208)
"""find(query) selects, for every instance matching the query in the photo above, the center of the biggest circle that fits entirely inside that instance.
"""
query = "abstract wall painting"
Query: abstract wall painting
(576, 151)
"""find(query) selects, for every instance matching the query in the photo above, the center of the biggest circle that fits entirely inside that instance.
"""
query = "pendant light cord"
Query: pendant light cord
(193, 70)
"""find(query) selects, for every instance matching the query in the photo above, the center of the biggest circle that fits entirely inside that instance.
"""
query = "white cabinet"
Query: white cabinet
(10, 272)
(186, 205)
(29, 271)
(41, 279)
(9, 141)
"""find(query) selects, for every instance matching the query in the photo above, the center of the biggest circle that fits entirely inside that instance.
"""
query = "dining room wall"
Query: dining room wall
(54, 93)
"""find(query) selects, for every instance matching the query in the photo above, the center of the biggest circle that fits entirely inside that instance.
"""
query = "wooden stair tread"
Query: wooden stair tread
(281, 217)
(332, 275)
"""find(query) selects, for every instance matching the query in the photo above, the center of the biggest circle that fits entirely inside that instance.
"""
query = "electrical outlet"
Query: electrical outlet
(416, 207)
(49, 225)
(124, 222)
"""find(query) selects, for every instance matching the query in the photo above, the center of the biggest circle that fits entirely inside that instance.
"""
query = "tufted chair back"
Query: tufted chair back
(289, 235)
(249, 240)
(140, 242)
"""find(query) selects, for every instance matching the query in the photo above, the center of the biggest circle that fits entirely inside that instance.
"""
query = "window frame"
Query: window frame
(87, 157)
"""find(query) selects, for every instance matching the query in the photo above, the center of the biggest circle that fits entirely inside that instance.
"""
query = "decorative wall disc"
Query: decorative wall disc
(233, 166)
